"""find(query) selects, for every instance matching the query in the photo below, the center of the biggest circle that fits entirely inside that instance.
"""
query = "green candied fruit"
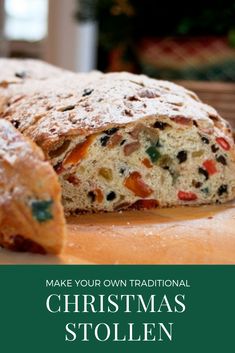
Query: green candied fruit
(205, 190)
(153, 154)
(41, 210)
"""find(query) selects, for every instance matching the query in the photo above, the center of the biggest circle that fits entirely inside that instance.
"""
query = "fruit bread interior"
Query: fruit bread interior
(157, 162)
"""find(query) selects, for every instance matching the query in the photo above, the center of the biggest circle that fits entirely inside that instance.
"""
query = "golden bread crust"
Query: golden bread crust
(31, 215)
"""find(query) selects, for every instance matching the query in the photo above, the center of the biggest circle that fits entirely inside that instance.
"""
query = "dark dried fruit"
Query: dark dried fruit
(104, 140)
(111, 196)
(122, 142)
(58, 168)
(222, 189)
(203, 172)
(128, 112)
(87, 92)
(91, 196)
(144, 204)
(73, 179)
(160, 125)
(15, 123)
(182, 156)
(196, 184)
(205, 140)
(221, 159)
(111, 131)
(214, 148)
(21, 74)
(133, 98)
(122, 171)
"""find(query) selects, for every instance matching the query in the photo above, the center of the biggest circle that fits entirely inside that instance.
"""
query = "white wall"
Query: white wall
(60, 44)
(3, 42)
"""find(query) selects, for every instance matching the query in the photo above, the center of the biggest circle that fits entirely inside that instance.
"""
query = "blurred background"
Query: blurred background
(191, 43)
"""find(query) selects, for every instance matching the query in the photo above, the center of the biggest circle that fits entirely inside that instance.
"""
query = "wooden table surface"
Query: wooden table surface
(185, 235)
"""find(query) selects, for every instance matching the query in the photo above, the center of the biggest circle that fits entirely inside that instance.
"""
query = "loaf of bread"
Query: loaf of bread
(120, 141)
(31, 214)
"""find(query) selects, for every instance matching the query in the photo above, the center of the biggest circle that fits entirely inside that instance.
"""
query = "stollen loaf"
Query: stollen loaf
(119, 141)
(31, 214)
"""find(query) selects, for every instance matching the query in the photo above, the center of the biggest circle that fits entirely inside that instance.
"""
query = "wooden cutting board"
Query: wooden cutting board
(185, 235)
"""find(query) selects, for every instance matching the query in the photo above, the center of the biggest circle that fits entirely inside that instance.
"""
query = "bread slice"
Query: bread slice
(31, 214)
(121, 141)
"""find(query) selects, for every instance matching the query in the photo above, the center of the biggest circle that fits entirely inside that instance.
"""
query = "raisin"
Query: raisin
(160, 125)
(87, 92)
(104, 140)
(221, 159)
(182, 156)
(205, 140)
(122, 171)
(222, 189)
(122, 142)
(203, 172)
(15, 123)
(111, 131)
(22, 74)
(111, 196)
(91, 196)
(214, 148)
(58, 168)
(196, 184)
(144, 204)
(128, 112)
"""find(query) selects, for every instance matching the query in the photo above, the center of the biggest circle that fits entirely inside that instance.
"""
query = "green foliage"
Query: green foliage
(125, 20)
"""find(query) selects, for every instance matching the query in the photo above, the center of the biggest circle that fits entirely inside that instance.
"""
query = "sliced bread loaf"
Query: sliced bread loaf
(31, 214)
(122, 141)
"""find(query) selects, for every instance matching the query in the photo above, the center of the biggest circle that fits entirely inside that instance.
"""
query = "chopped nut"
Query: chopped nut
(106, 173)
(197, 153)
